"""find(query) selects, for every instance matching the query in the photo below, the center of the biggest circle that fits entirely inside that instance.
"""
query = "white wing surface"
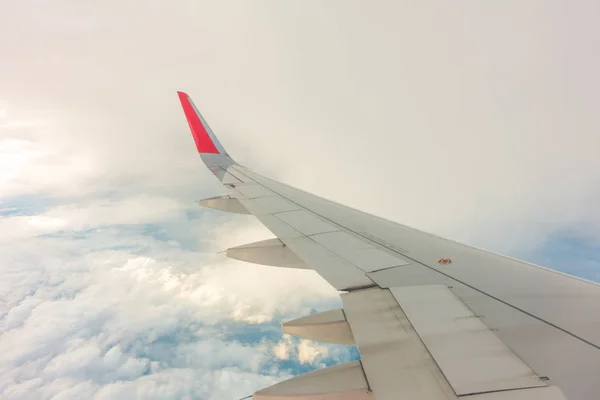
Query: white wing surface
(432, 318)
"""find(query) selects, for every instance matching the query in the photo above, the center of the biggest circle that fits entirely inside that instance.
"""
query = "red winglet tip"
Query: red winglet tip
(204, 143)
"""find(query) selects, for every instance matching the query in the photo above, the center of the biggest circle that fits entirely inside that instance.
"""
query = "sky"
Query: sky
(473, 120)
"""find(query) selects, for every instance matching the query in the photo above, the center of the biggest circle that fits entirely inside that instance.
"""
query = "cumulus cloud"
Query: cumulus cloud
(104, 322)
(308, 352)
(283, 348)
(305, 351)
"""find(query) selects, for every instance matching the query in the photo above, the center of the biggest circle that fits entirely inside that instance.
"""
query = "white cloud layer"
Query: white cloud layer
(78, 320)
(475, 121)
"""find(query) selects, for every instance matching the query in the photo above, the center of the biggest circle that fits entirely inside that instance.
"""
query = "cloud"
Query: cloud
(110, 285)
(283, 348)
(88, 316)
(130, 210)
(308, 352)
(39, 164)
(81, 216)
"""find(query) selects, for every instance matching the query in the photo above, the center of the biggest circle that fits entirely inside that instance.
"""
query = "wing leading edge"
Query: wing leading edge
(484, 326)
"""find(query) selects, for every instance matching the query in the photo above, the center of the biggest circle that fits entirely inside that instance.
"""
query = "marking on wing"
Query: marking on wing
(357, 251)
(305, 222)
(254, 191)
(225, 177)
(382, 242)
(276, 204)
(251, 206)
(408, 275)
(339, 272)
(282, 230)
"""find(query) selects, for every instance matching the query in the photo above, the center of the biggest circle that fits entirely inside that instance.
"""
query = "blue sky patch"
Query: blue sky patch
(25, 205)
(570, 253)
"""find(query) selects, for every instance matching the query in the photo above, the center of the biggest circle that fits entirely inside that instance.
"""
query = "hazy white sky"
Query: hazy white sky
(475, 120)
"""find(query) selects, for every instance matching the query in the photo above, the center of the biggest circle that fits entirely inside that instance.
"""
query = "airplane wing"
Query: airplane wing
(432, 318)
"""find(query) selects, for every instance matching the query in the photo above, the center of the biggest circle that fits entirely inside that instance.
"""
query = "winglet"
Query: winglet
(206, 141)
